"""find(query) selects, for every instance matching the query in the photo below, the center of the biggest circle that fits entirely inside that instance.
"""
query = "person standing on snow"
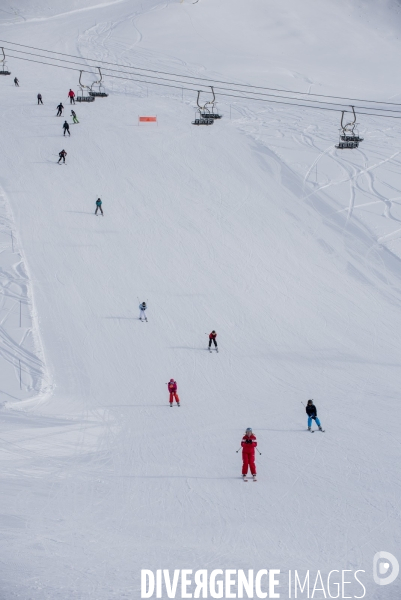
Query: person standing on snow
(66, 128)
(62, 156)
(311, 411)
(39, 97)
(142, 308)
(248, 445)
(172, 388)
(74, 117)
(99, 206)
(212, 338)
(16, 82)
(60, 109)
(71, 96)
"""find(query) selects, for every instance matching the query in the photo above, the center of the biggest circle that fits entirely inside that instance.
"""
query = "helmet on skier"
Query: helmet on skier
(310, 402)
(213, 331)
(248, 430)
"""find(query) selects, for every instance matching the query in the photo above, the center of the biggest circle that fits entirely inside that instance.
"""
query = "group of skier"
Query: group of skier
(66, 129)
(249, 442)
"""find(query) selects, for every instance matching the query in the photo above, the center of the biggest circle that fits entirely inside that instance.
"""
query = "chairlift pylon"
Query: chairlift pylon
(204, 117)
(349, 136)
(3, 70)
(100, 93)
(82, 97)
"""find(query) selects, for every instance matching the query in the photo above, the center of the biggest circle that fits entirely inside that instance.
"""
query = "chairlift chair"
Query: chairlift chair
(204, 116)
(3, 70)
(212, 114)
(349, 136)
(100, 93)
(82, 97)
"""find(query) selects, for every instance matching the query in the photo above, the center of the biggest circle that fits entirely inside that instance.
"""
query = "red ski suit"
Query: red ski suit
(172, 388)
(71, 94)
(248, 444)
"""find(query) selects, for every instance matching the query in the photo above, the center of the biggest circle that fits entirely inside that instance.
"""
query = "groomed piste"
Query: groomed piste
(255, 227)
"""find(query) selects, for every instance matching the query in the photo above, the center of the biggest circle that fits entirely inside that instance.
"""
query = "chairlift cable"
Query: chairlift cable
(190, 83)
(246, 86)
(193, 89)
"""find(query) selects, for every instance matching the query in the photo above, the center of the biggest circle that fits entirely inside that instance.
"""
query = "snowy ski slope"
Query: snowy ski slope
(256, 227)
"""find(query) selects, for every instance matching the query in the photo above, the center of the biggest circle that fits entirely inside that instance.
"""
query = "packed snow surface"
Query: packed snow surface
(257, 227)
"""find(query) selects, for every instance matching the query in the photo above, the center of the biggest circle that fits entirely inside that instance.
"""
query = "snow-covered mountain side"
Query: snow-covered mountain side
(257, 227)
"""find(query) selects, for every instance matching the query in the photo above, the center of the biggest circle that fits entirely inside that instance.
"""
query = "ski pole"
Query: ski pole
(238, 449)
(258, 451)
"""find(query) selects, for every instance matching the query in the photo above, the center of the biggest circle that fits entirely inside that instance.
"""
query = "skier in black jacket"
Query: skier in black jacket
(66, 128)
(60, 109)
(312, 415)
(62, 156)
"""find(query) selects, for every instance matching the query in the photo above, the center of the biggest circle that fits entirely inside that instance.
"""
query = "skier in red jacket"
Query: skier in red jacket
(172, 388)
(71, 96)
(212, 338)
(248, 444)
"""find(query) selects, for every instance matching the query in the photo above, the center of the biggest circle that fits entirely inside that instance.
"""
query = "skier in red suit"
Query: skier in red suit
(248, 444)
(172, 388)
(71, 96)
(212, 338)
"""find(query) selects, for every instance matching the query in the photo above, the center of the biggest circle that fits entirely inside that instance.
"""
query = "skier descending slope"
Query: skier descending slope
(142, 308)
(312, 415)
(39, 97)
(62, 156)
(248, 444)
(172, 388)
(66, 128)
(71, 96)
(60, 109)
(99, 206)
(212, 338)
(74, 117)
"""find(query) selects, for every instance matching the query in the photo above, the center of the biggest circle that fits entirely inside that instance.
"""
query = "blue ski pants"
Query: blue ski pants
(310, 421)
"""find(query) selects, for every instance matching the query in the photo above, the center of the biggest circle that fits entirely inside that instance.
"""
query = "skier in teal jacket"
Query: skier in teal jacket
(99, 206)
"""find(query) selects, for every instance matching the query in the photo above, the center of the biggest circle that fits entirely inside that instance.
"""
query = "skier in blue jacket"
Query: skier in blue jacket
(99, 206)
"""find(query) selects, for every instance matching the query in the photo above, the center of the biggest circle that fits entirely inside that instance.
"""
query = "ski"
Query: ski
(244, 479)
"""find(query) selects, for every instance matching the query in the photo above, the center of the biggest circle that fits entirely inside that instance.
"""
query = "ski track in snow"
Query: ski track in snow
(20, 346)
